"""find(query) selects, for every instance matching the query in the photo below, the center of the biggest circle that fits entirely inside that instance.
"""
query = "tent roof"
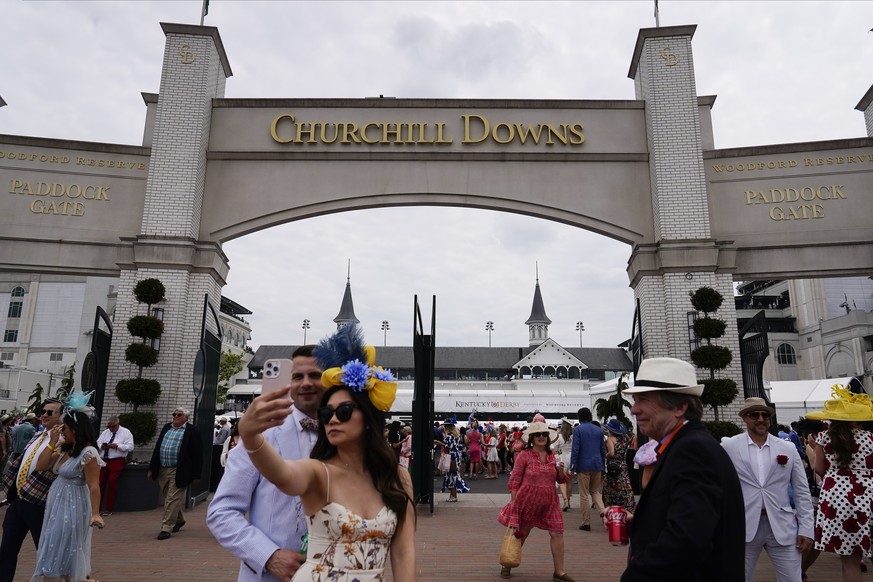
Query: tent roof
(806, 393)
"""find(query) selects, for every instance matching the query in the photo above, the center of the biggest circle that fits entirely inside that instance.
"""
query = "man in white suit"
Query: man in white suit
(767, 466)
(268, 542)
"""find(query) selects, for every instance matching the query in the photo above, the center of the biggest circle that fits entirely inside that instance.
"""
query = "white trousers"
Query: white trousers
(786, 559)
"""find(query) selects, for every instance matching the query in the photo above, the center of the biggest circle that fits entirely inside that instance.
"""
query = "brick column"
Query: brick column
(195, 69)
(684, 256)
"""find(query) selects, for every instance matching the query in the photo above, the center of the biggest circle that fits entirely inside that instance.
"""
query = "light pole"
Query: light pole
(580, 327)
(489, 327)
(305, 327)
(385, 332)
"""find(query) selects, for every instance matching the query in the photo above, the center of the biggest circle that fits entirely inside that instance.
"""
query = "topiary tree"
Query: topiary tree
(141, 391)
(35, 399)
(717, 391)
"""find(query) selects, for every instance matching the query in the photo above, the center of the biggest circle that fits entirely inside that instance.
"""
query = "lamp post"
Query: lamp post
(305, 327)
(489, 327)
(385, 329)
(580, 327)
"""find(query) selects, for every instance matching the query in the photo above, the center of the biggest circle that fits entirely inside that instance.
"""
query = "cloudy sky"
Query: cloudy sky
(783, 72)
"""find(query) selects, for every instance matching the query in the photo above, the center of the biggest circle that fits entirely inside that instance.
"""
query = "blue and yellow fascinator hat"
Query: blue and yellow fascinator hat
(845, 405)
(348, 361)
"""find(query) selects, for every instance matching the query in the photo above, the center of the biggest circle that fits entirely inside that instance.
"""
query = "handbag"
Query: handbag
(445, 463)
(510, 550)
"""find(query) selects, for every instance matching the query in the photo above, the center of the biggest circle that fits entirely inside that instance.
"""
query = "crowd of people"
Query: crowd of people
(320, 454)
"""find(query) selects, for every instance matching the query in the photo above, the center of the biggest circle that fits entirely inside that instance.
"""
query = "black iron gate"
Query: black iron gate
(205, 390)
(423, 349)
(754, 349)
(96, 364)
(636, 342)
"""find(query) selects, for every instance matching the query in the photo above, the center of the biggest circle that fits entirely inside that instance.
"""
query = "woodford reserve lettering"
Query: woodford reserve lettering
(58, 198)
(784, 200)
(286, 129)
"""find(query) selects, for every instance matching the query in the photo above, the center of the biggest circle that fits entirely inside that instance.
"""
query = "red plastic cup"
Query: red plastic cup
(616, 525)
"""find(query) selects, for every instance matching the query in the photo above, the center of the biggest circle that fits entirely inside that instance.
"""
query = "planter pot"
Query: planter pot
(135, 491)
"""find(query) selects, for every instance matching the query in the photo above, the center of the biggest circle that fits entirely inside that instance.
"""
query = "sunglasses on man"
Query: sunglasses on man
(758, 414)
(343, 413)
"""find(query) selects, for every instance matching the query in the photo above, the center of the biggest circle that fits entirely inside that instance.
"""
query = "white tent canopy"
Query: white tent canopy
(795, 398)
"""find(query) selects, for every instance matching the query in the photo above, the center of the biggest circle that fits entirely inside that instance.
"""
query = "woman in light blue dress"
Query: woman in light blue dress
(73, 500)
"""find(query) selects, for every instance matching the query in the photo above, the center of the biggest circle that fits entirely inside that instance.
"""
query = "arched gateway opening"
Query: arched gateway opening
(644, 172)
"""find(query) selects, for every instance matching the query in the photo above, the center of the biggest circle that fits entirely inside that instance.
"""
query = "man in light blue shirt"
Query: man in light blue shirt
(587, 461)
(268, 542)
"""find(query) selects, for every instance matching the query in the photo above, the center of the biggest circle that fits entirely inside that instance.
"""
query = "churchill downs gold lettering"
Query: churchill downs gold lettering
(475, 128)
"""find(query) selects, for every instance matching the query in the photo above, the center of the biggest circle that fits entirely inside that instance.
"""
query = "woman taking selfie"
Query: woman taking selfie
(73, 500)
(358, 500)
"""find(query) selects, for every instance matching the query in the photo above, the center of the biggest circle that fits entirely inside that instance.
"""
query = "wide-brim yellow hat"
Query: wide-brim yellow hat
(845, 406)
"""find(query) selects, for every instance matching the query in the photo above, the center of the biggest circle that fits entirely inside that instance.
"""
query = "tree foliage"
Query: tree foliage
(149, 291)
(143, 426)
(229, 366)
(67, 382)
(717, 391)
(34, 401)
(141, 391)
(606, 408)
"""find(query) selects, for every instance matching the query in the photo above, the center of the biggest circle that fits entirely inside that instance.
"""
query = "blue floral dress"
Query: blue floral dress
(452, 478)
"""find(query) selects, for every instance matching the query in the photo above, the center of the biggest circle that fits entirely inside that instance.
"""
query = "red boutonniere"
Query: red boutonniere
(782, 459)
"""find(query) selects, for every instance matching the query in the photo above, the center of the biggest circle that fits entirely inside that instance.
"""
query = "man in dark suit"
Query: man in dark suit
(177, 461)
(690, 522)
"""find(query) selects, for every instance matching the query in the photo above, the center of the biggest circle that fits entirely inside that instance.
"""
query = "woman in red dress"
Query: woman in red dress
(534, 499)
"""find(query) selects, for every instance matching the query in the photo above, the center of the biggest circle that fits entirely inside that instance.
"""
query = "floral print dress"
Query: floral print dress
(617, 490)
(843, 521)
(452, 478)
(346, 547)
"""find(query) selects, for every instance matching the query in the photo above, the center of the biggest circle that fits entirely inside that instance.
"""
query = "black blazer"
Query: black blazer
(690, 522)
(190, 463)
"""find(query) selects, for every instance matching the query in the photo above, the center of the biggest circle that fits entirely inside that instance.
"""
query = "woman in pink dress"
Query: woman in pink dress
(473, 440)
(534, 499)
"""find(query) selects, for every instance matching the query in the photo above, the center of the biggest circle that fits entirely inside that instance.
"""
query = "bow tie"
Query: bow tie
(309, 423)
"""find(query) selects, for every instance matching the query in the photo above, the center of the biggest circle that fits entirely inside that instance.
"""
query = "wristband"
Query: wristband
(51, 448)
(258, 448)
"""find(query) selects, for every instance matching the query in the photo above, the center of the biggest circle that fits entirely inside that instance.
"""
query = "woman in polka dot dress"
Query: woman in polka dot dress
(844, 458)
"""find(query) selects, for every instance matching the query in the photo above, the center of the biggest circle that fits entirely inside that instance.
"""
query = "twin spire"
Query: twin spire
(538, 322)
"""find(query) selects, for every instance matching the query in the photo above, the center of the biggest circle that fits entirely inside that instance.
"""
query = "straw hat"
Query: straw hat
(539, 425)
(665, 374)
(845, 405)
(755, 405)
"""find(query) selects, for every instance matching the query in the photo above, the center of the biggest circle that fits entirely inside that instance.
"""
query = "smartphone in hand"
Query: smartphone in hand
(277, 375)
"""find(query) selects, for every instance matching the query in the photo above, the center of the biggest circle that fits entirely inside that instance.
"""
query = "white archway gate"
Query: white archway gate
(644, 172)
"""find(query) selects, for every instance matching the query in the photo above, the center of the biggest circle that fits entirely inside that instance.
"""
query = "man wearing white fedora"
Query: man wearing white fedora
(689, 522)
(767, 466)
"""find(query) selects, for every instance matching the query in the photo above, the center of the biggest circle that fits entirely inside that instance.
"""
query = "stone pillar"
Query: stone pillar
(195, 69)
(684, 256)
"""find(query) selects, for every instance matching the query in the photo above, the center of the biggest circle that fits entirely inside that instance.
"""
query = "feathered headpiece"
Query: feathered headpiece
(845, 405)
(347, 361)
(78, 401)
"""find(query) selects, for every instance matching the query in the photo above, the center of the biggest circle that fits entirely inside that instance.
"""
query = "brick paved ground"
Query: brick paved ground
(460, 541)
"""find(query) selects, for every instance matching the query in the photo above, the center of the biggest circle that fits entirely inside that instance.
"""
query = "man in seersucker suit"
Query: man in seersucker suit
(767, 467)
